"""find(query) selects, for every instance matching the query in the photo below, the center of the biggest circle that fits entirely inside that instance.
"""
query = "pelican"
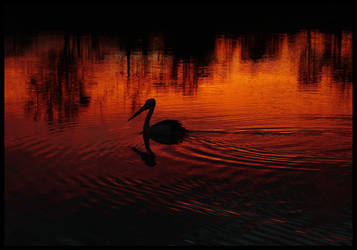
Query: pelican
(165, 132)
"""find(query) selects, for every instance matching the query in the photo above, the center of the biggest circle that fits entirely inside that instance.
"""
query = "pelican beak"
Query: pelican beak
(138, 112)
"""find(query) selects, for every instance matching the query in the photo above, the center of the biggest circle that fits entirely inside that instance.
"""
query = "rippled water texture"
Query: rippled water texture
(268, 159)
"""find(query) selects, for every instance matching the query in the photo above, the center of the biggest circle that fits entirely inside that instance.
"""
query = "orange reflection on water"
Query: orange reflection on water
(253, 74)
(281, 105)
(251, 80)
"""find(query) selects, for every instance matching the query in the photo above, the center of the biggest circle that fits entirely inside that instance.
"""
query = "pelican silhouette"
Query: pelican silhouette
(165, 132)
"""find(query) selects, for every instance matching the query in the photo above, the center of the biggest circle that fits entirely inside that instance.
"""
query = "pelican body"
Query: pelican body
(166, 132)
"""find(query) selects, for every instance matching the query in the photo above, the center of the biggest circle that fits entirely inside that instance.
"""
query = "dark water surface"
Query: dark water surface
(268, 159)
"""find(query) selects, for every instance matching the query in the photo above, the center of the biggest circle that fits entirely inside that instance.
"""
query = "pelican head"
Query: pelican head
(149, 104)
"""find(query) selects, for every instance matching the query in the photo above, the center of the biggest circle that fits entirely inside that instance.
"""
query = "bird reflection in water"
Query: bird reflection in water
(165, 132)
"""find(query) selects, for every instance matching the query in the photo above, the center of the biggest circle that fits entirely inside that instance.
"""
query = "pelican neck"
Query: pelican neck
(148, 117)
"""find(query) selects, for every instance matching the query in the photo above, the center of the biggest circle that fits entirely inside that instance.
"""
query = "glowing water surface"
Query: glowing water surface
(268, 159)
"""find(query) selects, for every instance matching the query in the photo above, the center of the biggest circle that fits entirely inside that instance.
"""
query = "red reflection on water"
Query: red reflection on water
(66, 73)
(68, 99)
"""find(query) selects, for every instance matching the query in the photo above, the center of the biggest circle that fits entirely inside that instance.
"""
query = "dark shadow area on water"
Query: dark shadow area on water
(59, 86)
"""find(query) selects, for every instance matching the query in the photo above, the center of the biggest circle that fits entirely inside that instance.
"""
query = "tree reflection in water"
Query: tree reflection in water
(59, 84)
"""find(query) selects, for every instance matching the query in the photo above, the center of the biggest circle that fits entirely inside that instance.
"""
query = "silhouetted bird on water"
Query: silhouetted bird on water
(165, 132)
